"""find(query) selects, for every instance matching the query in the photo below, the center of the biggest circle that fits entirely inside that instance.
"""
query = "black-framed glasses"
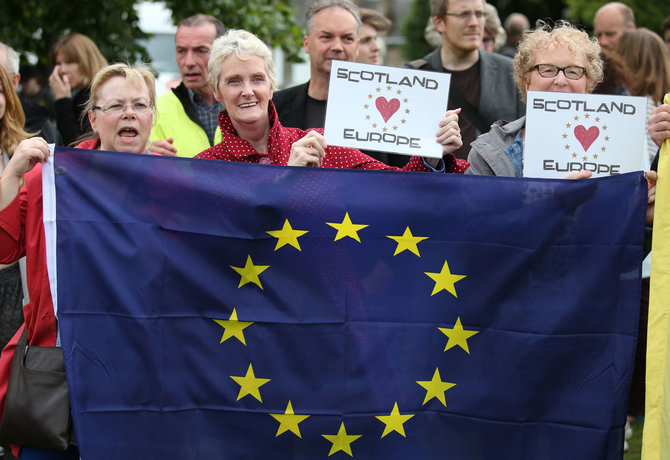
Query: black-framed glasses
(118, 108)
(571, 72)
(465, 15)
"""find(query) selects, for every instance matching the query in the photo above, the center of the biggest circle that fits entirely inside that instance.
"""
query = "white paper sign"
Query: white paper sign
(568, 132)
(387, 109)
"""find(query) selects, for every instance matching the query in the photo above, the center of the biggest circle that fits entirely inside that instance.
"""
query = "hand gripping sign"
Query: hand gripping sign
(567, 132)
(387, 109)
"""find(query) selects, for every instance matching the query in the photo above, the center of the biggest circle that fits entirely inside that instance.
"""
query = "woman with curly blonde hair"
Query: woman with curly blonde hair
(12, 120)
(559, 59)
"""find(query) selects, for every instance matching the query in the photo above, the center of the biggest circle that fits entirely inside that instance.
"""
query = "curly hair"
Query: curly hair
(563, 34)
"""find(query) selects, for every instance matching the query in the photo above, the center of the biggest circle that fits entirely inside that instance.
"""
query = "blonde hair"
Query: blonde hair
(563, 34)
(135, 75)
(240, 43)
(493, 26)
(11, 123)
(648, 58)
(82, 50)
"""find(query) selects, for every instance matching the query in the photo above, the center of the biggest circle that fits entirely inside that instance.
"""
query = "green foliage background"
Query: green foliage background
(36, 25)
(649, 14)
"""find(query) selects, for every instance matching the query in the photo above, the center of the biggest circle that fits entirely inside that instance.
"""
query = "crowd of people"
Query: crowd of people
(228, 107)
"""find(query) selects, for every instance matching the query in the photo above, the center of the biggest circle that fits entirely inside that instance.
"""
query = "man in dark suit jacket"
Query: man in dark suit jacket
(333, 28)
(481, 82)
(332, 34)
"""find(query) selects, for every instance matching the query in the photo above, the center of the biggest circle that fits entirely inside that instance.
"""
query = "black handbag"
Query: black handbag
(37, 406)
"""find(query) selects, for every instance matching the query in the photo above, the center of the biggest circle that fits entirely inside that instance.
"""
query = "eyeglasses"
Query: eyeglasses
(572, 72)
(118, 109)
(465, 15)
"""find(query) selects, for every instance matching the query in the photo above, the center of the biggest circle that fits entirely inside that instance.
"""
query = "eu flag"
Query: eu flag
(213, 310)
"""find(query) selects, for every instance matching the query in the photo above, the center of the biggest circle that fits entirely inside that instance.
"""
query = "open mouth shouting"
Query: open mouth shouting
(128, 134)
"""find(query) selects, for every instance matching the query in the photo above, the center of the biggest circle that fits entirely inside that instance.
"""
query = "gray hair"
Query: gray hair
(241, 43)
(321, 5)
(11, 63)
(493, 26)
(562, 34)
(202, 19)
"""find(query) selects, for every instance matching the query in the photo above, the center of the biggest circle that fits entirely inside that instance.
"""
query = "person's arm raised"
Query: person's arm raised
(27, 154)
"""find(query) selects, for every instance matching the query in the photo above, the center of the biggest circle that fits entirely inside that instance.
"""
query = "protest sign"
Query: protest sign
(572, 132)
(386, 109)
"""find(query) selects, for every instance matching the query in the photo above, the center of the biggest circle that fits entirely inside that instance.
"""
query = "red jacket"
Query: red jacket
(280, 139)
(22, 234)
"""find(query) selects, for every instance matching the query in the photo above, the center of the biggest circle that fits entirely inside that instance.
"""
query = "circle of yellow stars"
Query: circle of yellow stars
(568, 134)
(370, 105)
(289, 421)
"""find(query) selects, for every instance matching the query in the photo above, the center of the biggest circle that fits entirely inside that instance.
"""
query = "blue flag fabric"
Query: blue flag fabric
(236, 311)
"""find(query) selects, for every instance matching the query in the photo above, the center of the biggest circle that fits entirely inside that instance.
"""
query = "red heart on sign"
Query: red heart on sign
(586, 137)
(387, 108)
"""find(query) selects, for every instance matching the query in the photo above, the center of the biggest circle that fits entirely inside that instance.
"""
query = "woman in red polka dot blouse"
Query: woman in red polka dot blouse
(243, 75)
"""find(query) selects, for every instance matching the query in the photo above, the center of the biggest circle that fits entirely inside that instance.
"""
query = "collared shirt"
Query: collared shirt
(280, 139)
(208, 115)
(515, 153)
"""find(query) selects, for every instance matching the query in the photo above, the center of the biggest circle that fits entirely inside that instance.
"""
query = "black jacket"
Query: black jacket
(290, 104)
(37, 121)
(69, 119)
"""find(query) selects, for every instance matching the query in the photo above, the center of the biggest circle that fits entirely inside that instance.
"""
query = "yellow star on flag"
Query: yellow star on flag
(407, 242)
(394, 421)
(249, 384)
(288, 421)
(233, 328)
(249, 273)
(435, 388)
(444, 280)
(347, 228)
(287, 235)
(457, 336)
(341, 441)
